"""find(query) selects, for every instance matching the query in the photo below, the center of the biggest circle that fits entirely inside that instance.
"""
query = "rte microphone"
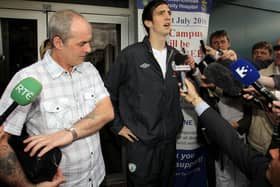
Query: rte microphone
(178, 65)
(247, 74)
(23, 94)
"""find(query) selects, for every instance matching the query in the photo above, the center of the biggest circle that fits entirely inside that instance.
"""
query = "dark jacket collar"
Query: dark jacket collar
(147, 43)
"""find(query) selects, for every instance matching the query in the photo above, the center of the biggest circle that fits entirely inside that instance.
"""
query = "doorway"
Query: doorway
(22, 32)
(20, 35)
(108, 39)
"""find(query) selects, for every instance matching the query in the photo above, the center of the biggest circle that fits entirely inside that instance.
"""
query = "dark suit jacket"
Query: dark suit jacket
(252, 163)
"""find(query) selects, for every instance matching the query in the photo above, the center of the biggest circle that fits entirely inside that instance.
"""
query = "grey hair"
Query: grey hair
(60, 24)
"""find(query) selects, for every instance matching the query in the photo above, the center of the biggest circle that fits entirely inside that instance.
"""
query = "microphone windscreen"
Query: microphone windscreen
(227, 63)
(26, 91)
(222, 77)
(244, 71)
(180, 59)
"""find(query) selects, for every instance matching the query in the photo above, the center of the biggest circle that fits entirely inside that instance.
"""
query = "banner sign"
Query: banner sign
(191, 156)
(189, 23)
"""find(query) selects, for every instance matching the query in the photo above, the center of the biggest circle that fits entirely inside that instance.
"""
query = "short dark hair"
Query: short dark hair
(262, 45)
(276, 47)
(148, 11)
(219, 33)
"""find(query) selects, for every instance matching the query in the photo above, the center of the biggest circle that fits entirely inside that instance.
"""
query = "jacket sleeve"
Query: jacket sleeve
(113, 81)
(276, 79)
(252, 163)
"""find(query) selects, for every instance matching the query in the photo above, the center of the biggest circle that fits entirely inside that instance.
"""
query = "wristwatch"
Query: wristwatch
(73, 132)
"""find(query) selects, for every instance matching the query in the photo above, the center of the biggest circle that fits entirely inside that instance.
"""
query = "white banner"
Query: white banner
(190, 20)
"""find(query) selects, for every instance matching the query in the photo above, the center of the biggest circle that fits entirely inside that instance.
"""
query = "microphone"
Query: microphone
(247, 74)
(178, 65)
(219, 74)
(22, 94)
(36, 169)
(206, 60)
(203, 48)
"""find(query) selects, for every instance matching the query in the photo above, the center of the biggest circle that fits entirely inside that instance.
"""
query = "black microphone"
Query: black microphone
(203, 48)
(207, 59)
(219, 74)
(178, 65)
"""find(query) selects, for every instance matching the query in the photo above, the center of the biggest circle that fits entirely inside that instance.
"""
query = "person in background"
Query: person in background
(146, 100)
(69, 112)
(218, 51)
(259, 169)
(263, 120)
(44, 47)
(271, 81)
(262, 54)
(233, 110)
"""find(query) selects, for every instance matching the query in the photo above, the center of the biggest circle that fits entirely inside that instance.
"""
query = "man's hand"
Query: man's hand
(192, 95)
(228, 54)
(3, 136)
(276, 107)
(273, 170)
(57, 180)
(234, 124)
(46, 142)
(210, 51)
(126, 132)
(190, 61)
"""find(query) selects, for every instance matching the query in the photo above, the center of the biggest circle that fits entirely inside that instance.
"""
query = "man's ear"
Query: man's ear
(57, 42)
(148, 23)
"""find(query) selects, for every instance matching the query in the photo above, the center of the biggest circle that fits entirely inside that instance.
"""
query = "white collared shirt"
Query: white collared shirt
(64, 100)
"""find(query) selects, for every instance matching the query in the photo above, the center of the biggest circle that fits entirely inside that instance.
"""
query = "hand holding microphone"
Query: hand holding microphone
(36, 169)
(178, 65)
(229, 54)
(247, 74)
(275, 107)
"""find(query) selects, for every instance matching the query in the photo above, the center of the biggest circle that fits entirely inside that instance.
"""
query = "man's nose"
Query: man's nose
(88, 48)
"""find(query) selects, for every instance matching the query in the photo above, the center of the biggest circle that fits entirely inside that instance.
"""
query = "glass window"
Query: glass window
(19, 47)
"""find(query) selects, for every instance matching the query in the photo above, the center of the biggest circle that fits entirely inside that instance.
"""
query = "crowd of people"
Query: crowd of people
(140, 99)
